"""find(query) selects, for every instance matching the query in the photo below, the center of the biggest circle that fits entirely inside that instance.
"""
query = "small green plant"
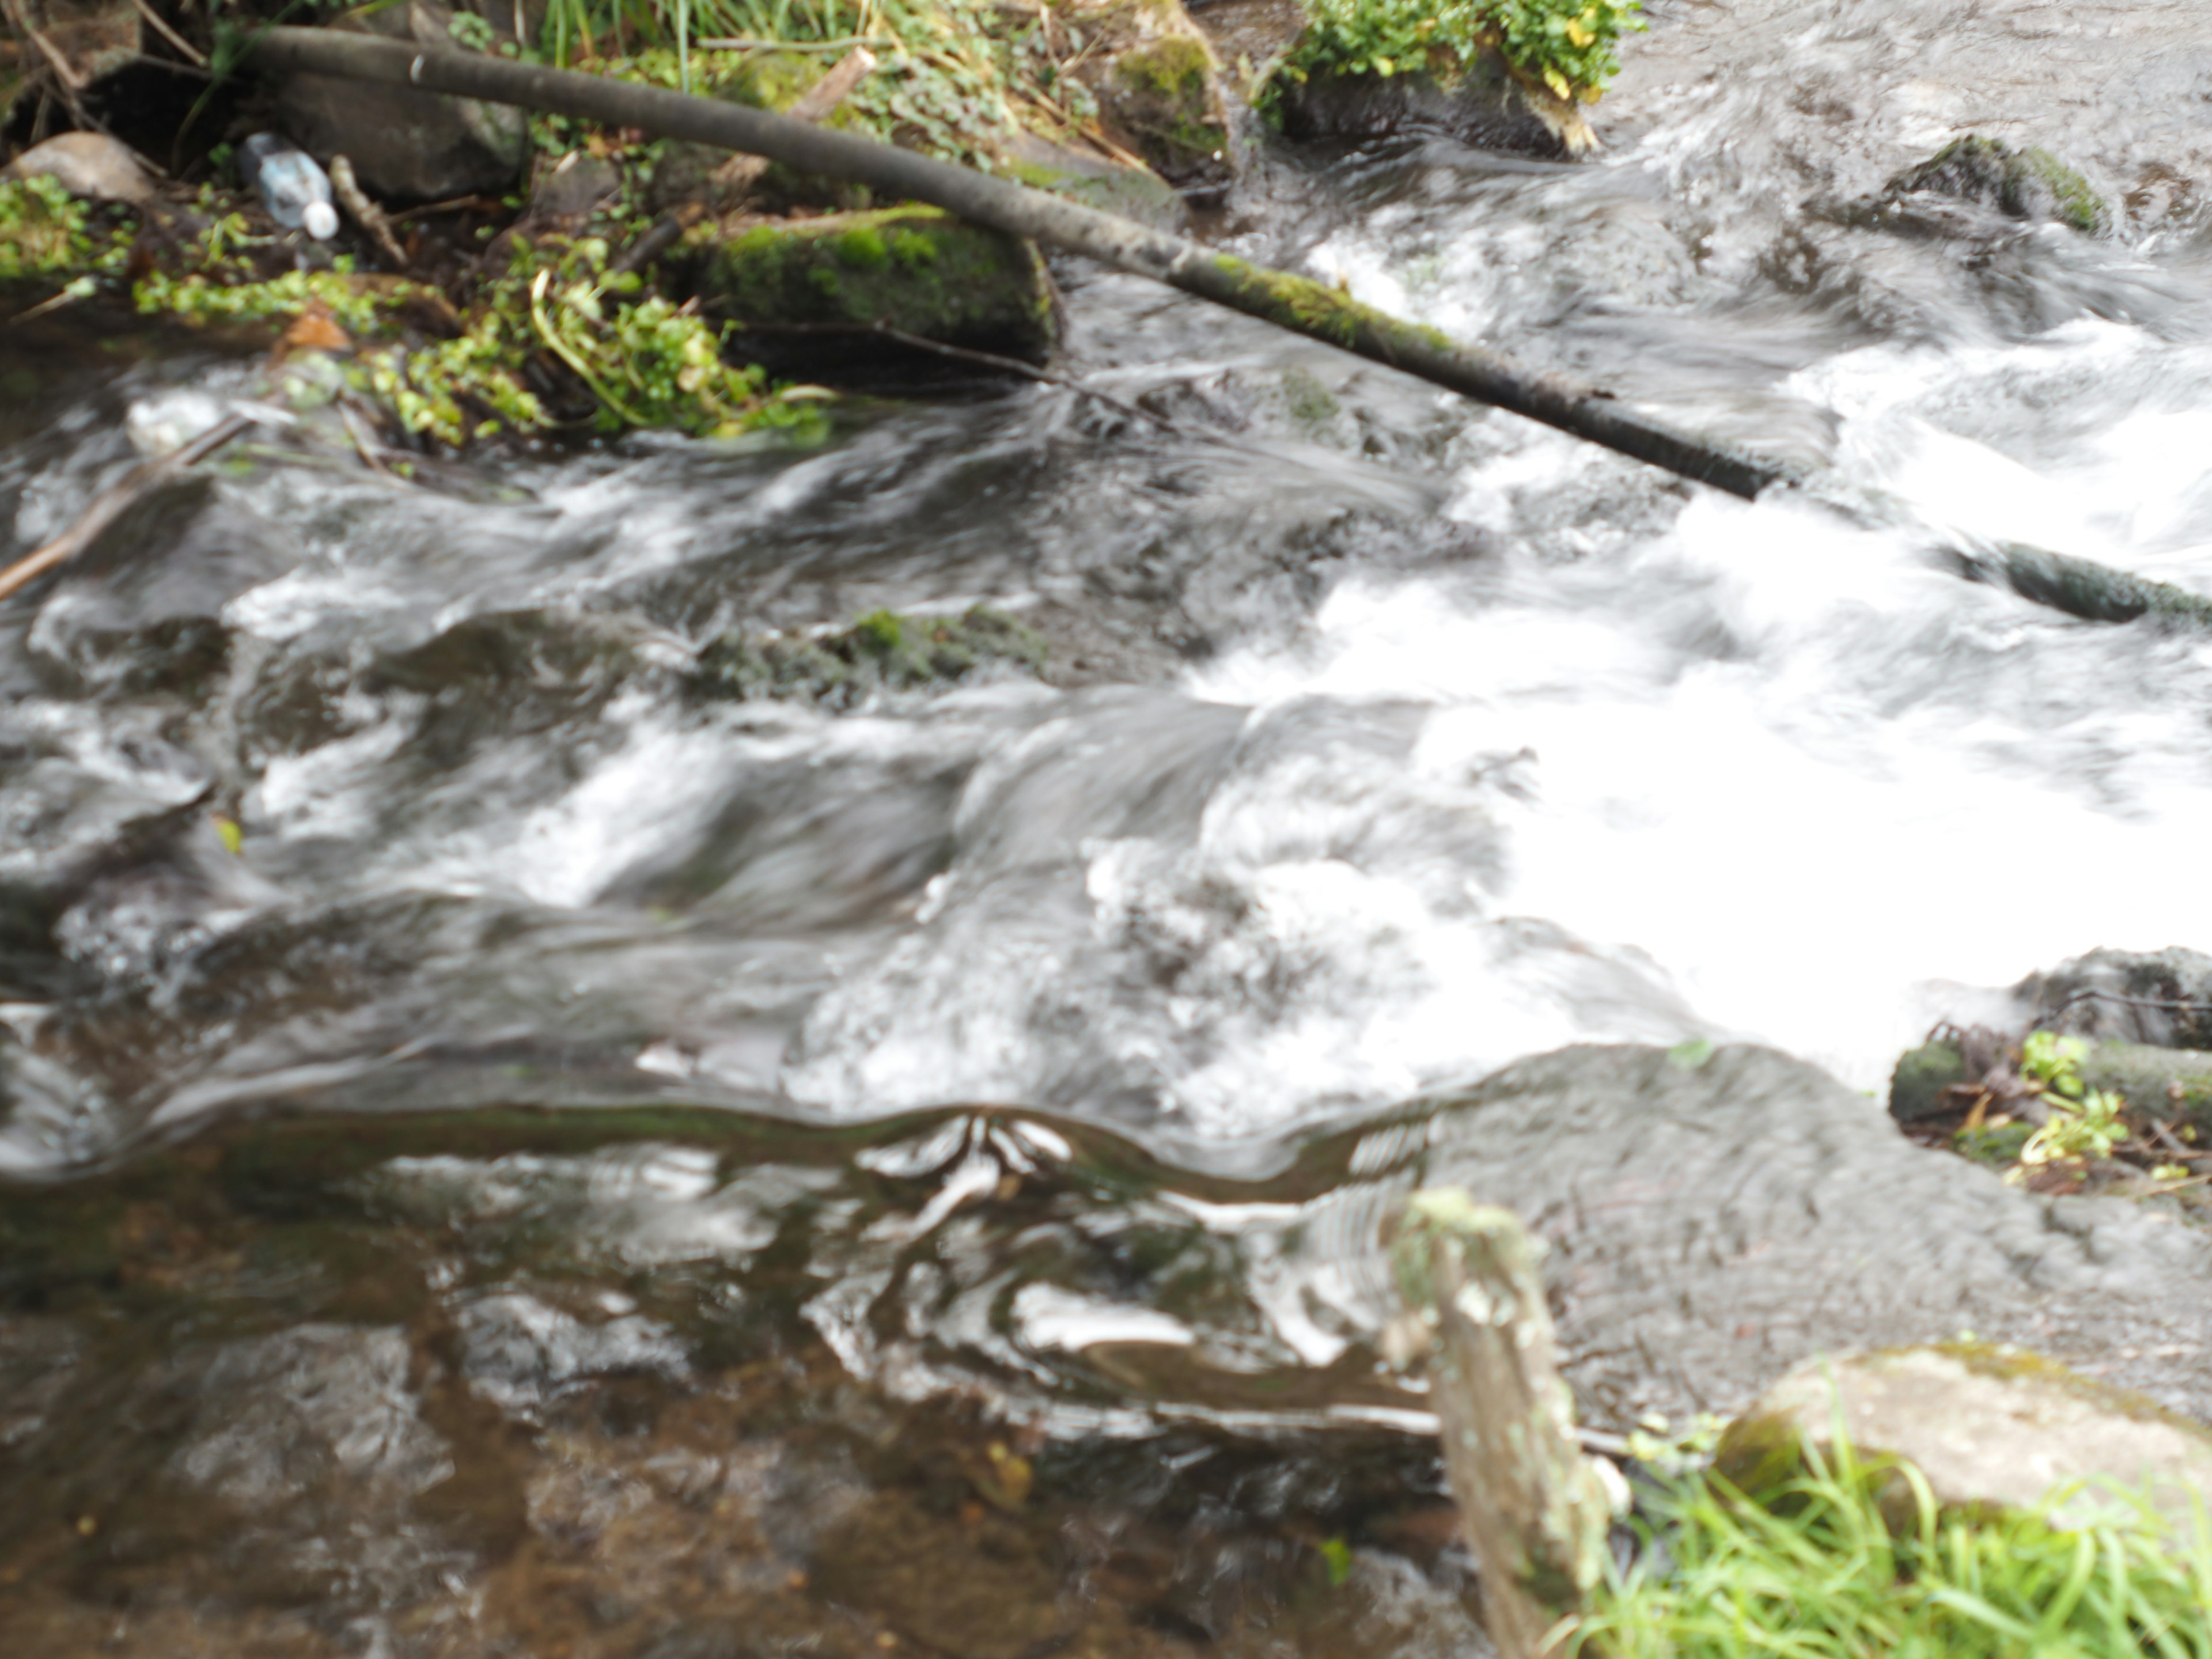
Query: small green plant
(1819, 1568)
(1567, 45)
(2084, 1124)
(47, 231)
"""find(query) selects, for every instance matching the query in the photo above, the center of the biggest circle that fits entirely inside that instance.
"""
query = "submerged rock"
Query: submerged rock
(915, 269)
(2021, 184)
(1987, 1427)
(880, 652)
(414, 145)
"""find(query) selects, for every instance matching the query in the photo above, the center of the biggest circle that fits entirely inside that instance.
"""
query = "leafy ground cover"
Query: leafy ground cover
(1568, 46)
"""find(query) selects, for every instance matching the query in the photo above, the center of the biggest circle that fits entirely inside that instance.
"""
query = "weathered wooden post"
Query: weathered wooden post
(1535, 1511)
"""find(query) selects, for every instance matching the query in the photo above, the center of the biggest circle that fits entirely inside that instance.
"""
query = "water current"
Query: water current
(1385, 740)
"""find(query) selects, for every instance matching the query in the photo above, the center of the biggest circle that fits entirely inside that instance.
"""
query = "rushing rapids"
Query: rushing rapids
(1382, 742)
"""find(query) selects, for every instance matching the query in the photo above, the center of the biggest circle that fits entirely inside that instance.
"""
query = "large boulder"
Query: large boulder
(411, 145)
(1158, 88)
(1713, 1224)
(2163, 997)
(1989, 1428)
(914, 268)
(1485, 105)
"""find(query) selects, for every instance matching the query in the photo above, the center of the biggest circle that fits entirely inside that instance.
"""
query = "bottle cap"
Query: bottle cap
(321, 220)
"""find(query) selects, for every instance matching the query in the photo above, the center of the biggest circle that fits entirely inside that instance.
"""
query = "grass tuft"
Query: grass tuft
(1853, 1560)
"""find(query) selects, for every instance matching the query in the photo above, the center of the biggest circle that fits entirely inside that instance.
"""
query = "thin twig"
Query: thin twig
(193, 53)
(2091, 994)
(112, 502)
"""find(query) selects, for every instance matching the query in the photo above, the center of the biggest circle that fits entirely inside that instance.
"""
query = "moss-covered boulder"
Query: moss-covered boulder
(1987, 1427)
(2021, 184)
(914, 269)
(1158, 88)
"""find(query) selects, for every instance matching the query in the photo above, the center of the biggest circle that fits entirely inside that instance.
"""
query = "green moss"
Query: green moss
(863, 248)
(2027, 184)
(911, 267)
(1314, 308)
(1920, 1077)
(1172, 67)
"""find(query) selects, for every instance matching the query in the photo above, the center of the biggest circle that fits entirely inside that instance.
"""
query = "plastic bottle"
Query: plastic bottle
(295, 189)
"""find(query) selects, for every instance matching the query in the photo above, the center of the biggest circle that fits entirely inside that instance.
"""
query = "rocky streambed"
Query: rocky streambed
(669, 1046)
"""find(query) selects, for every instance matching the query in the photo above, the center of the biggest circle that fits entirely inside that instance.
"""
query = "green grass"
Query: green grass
(954, 78)
(1815, 1570)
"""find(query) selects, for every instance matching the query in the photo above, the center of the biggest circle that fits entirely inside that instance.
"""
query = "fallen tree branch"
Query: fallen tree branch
(2080, 588)
(1297, 303)
(116, 500)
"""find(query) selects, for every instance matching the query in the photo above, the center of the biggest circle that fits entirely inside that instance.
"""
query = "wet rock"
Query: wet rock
(2021, 184)
(1481, 103)
(88, 164)
(1713, 1225)
(1158, 88)
(879, 652)
(2162, 997)
(573, 186)
(413, 145)
(285, 1416)
(1095, 182)
(1986, 1426)
(914, 268)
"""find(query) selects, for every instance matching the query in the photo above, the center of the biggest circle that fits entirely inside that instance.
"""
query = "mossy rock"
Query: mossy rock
(1132, 193)
(881, 652)
(766, 79)
(1988, 1428)
(914, 269)
(1159, 90)
(1480, 102)
(2023, 184)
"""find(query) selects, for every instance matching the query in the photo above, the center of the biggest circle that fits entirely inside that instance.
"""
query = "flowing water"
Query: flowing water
(1384, 741)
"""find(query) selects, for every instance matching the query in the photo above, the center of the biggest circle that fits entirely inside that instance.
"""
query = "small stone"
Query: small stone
(88, 164)
(1986, 1426)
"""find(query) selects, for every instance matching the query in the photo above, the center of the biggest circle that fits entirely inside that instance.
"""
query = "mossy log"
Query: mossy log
(1535, 1511)
(1298, 303)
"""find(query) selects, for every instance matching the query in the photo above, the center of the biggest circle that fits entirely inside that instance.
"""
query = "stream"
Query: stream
(506, 1151)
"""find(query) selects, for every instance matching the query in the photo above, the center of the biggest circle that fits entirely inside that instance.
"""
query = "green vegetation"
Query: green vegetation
(912, 268)
(956, 78)
(1831, 1562)
(1566, 46)
(2083, 1124)
(47, 231)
